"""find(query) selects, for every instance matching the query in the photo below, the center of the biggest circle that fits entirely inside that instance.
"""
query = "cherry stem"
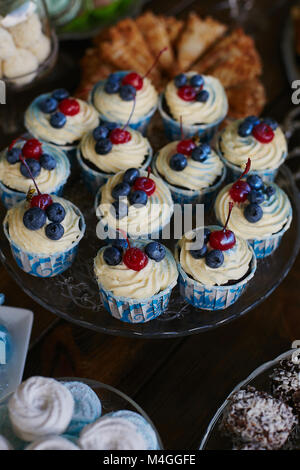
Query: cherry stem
(155, 61)
(125, 236)
(31, 176)
(149, 171)
(231, 204)
(247, 168)
(131, 114)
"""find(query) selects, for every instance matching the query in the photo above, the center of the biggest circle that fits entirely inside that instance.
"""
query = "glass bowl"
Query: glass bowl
(259, 378)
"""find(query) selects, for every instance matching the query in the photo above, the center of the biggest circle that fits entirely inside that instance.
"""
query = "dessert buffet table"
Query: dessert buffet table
(179, 382)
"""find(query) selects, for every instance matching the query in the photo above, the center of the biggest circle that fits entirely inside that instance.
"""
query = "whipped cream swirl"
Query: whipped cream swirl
(40, 406)
(195, 112)
(195, 176)
(277, 213)
(236, 149)
(4, 444)
(52, 443)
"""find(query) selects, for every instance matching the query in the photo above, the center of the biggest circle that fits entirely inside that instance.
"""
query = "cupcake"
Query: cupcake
(214, 267)
(260, 139)
(60, 120)
(109, 149)
(113, 97)
(135, 203)
(48, 164)
(192, 171)
(199, 100)
(44, 234)
(261, 215)
(136, 280)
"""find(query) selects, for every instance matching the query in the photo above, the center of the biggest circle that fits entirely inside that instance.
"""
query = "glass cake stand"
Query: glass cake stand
(259, 378)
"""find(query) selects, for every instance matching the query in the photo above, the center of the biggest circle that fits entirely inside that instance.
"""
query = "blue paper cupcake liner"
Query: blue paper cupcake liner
(212, 297)
(204, 196)
(234, 171)
(10, 198)
(93, 179)
(141, 125)
(173, 130)
(45, 265)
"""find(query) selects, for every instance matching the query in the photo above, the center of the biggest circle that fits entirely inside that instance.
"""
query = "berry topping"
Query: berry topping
(13, 155)
(114, 77)
(253, 213)
(112, 256)
(60, 94)
(111, 87)
(254, 120)
(131, 175)
(201, 253)
(202, 96)
(245, 129)
(263, 133)
(145, 184)
(120, 190)
(187, 93)
(58, 120)
(42, 201)
(103, 146)
(32, 149)
(54, 231)
(197, 81)
(34, 218)
(256, 197)
(138, 197)
(127, 92)
(255, 181)
(180, 80)
(199, 154)
(270, 191)
(206, 235)
(223, 239)
(240, 189)
(119, 136)
(133, 79)
(100, 132)
(47, 162)
(48, 105)
(110, 125)
(55, 212)
(34, 166)
(186, 146)
(178, 162)
(155, 251)
(120, 243)
(135, 259)
(271, 122)
(69, 107)
(119, 209)
(214, 259)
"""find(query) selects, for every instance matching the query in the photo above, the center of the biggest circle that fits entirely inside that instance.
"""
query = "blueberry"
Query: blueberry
(254, 120)
(245, 129)
(253, 213)
(197, 81)
(119, 209)
(112, 256)
(198, 154)
(120, 190)
(271, 122)
(13, 155)
(256, 197)
(113, 78)
(202, 96)
(34, 167)
(180, 80)
(206, 148)
(54, 231)
(120, 243)
(111, 87)
(201, 253)
(48, 105)
(110, 125)
(103, 146)
(178, 162)
(34, 218)
(100, 132)
(270, 191)
(155, 251)
(131, 175)
(47, 161)
(58, 120)
(214, 259)
(127, 92)
(206, 234)
(60, 94)
(56, 212)
(138, 197)
(255, 181)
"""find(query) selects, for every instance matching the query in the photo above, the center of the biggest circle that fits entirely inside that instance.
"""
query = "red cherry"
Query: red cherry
(32, 149)
(186, 146)
(119, 136)
(42, 201)
(222, 240)
(133, 79)
(69, 107)
(145, 184)
(135, 259)
(263, 133)
(239, 191)
(187, 93)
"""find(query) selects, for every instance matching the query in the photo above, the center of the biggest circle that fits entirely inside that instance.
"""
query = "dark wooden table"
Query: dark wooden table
(179, 382)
